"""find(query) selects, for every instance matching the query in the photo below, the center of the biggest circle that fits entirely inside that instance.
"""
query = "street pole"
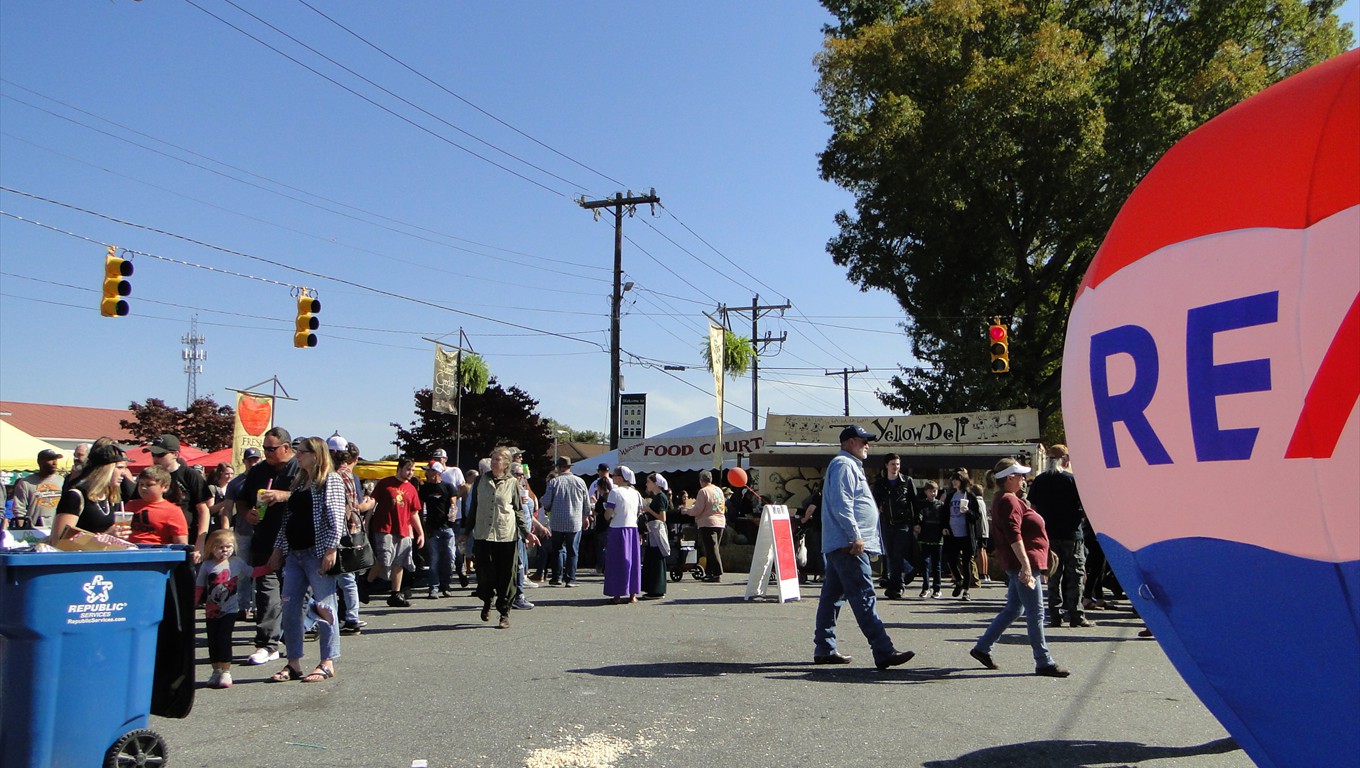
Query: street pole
(844, 373)
(758, 346)
(618, 202)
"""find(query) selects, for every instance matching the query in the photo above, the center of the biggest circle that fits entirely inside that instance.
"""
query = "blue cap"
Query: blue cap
(855, 430)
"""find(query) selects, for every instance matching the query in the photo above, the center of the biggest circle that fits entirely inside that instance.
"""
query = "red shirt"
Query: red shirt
(397, 501)
(1014, 520)
(156, 522)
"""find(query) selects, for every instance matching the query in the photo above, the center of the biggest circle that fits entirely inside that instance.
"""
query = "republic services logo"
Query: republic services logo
(97, 589)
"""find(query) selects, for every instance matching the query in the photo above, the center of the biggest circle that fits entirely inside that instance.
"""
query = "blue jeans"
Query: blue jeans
(564, 547)
(439, 555)
(1021, 599)
(897, 551)
(849, 579)
(301, 569)
(349, 587)
(933, 555)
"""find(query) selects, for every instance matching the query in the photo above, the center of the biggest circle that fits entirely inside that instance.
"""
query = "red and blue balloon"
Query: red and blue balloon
(1210, 381)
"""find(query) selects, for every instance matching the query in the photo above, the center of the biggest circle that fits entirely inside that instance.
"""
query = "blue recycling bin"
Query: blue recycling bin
(78, 635)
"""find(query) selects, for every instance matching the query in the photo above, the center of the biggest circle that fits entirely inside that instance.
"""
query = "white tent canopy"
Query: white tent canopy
(688, 447)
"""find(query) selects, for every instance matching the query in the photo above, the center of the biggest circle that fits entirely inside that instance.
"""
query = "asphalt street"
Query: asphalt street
(702, 678)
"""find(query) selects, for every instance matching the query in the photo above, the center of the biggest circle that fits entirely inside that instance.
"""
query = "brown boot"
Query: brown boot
(505, 621)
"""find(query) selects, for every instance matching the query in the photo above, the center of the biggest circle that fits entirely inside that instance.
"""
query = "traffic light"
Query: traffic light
(999, 339)
(116, 286)
(307, 307)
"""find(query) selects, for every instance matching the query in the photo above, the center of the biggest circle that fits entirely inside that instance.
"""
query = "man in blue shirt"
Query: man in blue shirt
(849, 535)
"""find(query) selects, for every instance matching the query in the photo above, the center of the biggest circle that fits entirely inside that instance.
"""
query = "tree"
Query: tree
(150, 420)
(208, 425)
(990, 143)
(575, 435)
(205, 425)
(494, 417)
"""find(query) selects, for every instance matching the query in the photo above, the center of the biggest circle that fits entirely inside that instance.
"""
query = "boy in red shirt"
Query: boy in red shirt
(154, 519)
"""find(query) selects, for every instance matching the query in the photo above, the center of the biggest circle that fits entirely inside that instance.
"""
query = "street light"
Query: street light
(556, 433)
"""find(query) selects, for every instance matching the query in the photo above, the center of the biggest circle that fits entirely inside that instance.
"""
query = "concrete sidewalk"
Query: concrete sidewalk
(702, 677)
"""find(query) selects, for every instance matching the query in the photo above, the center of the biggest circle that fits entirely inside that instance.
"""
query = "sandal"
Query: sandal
(318, 674)
(284, 675)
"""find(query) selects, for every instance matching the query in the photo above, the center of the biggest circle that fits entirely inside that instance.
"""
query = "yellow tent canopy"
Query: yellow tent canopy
(374, 470)
(19, 450)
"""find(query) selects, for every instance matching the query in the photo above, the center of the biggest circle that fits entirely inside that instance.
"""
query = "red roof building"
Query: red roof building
(65, 426)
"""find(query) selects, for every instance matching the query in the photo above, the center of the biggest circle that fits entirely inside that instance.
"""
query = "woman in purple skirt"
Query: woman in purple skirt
(623, 559)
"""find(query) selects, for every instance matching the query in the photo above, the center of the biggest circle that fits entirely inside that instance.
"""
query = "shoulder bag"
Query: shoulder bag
(354, 553)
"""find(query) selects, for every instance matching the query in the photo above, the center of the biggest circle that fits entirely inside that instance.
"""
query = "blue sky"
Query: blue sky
(160, 115)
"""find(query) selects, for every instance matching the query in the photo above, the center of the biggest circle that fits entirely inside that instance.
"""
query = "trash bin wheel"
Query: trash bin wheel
(137, 748)
(697, 572)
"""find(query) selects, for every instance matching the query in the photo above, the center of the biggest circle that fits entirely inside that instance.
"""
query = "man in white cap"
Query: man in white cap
(849, 536)
(451, 475)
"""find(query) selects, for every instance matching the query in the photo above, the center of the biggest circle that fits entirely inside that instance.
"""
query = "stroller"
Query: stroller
(683, 557)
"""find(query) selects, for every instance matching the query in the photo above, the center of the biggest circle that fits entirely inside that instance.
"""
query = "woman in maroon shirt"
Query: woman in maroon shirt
(1022, 548)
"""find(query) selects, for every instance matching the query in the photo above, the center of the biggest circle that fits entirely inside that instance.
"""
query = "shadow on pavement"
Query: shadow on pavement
(784, 670)
(1078, 754)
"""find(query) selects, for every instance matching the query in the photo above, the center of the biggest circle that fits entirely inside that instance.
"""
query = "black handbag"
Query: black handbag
(354, 553)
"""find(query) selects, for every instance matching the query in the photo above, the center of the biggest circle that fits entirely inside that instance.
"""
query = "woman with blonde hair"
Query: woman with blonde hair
(1022, 549)
(90, 503)
(306, 548)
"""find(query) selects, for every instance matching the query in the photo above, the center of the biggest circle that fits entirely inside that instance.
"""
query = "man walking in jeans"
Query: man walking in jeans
(849, 535)
(567, 503)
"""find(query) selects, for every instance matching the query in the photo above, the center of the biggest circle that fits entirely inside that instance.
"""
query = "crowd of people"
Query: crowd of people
(265, 541)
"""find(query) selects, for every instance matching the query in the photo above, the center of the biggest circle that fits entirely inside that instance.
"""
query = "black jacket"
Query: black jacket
(896, 504)
(1054, 496)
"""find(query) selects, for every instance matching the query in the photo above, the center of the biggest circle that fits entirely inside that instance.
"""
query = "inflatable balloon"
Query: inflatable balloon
(1210, 380)
(736, 477)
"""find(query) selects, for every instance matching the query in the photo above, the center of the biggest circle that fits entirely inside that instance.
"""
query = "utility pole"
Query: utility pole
(844, 373)
(193, 360)
(618, 202)
(758, 346)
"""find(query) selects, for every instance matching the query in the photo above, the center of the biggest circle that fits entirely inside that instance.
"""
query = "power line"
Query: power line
(281, 265)
(389, 111)
(381, 217)
(441, 87)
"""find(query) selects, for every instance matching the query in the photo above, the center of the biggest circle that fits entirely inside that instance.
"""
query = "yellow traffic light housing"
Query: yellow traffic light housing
(307, 322)
(116, 286)
(999, 338)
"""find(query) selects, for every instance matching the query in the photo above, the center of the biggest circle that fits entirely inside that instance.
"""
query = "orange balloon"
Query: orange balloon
(736, 477)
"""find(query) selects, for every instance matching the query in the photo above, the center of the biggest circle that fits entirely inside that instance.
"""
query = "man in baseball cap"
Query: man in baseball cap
(849, 536)
(36, 496)
(188, 489)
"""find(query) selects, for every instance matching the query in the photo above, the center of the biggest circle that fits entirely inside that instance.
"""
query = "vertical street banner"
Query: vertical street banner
(254, 417)
(716, 347)
(444, 393)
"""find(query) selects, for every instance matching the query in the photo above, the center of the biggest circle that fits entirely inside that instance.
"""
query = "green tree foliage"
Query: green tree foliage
(575, 435)
(204, 425)
(990, 143)
(737, 354)
(494, 417)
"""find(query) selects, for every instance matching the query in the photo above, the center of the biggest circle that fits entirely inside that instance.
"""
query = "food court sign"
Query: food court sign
(1020, 426)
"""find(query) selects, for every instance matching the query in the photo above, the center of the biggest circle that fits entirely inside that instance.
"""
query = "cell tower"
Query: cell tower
(194, 355)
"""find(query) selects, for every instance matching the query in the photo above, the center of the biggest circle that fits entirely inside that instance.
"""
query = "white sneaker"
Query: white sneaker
(530, 583)
(224, 680)
(262, 656)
